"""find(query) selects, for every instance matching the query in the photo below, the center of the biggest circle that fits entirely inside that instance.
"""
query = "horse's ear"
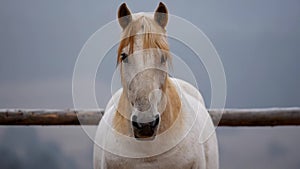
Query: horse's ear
(161, 15)
(124, 16)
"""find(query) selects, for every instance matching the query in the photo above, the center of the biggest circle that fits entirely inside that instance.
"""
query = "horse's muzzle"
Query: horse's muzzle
(145, 131)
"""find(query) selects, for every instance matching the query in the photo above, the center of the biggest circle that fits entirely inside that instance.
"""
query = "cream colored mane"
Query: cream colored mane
(144, 25)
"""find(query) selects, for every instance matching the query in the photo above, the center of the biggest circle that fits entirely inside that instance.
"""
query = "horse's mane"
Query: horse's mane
(153, 34)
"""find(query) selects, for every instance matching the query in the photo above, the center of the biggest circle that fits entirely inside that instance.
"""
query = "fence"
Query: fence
(229, 117)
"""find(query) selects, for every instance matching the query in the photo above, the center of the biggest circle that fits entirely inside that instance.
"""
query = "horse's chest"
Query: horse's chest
(181, 157)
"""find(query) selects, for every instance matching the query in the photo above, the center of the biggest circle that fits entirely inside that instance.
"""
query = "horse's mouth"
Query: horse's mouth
(144, 134)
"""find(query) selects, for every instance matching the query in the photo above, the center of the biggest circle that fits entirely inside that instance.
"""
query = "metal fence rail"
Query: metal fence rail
(229, 117)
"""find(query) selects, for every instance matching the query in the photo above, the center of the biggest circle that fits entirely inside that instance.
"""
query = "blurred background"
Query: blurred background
(258, 43)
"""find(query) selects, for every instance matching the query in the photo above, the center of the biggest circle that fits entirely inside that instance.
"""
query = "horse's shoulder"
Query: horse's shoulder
(193, 102)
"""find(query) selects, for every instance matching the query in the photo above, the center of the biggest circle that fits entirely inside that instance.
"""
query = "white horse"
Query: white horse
(154, 121)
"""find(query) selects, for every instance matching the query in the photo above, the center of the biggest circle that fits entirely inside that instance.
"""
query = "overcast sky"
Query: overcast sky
(258, 43)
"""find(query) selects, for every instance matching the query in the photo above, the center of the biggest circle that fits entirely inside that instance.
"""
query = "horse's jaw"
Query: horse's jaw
(152, 138)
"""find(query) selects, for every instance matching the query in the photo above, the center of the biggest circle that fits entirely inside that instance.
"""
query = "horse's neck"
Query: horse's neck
(121, 120)
(173, 107)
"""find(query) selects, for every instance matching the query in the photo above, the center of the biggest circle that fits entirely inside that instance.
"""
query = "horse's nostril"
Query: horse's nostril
(155, 122)
(135, 123)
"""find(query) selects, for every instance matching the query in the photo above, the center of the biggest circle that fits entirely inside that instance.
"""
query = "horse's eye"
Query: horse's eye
(124, 57)
(163, 59)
